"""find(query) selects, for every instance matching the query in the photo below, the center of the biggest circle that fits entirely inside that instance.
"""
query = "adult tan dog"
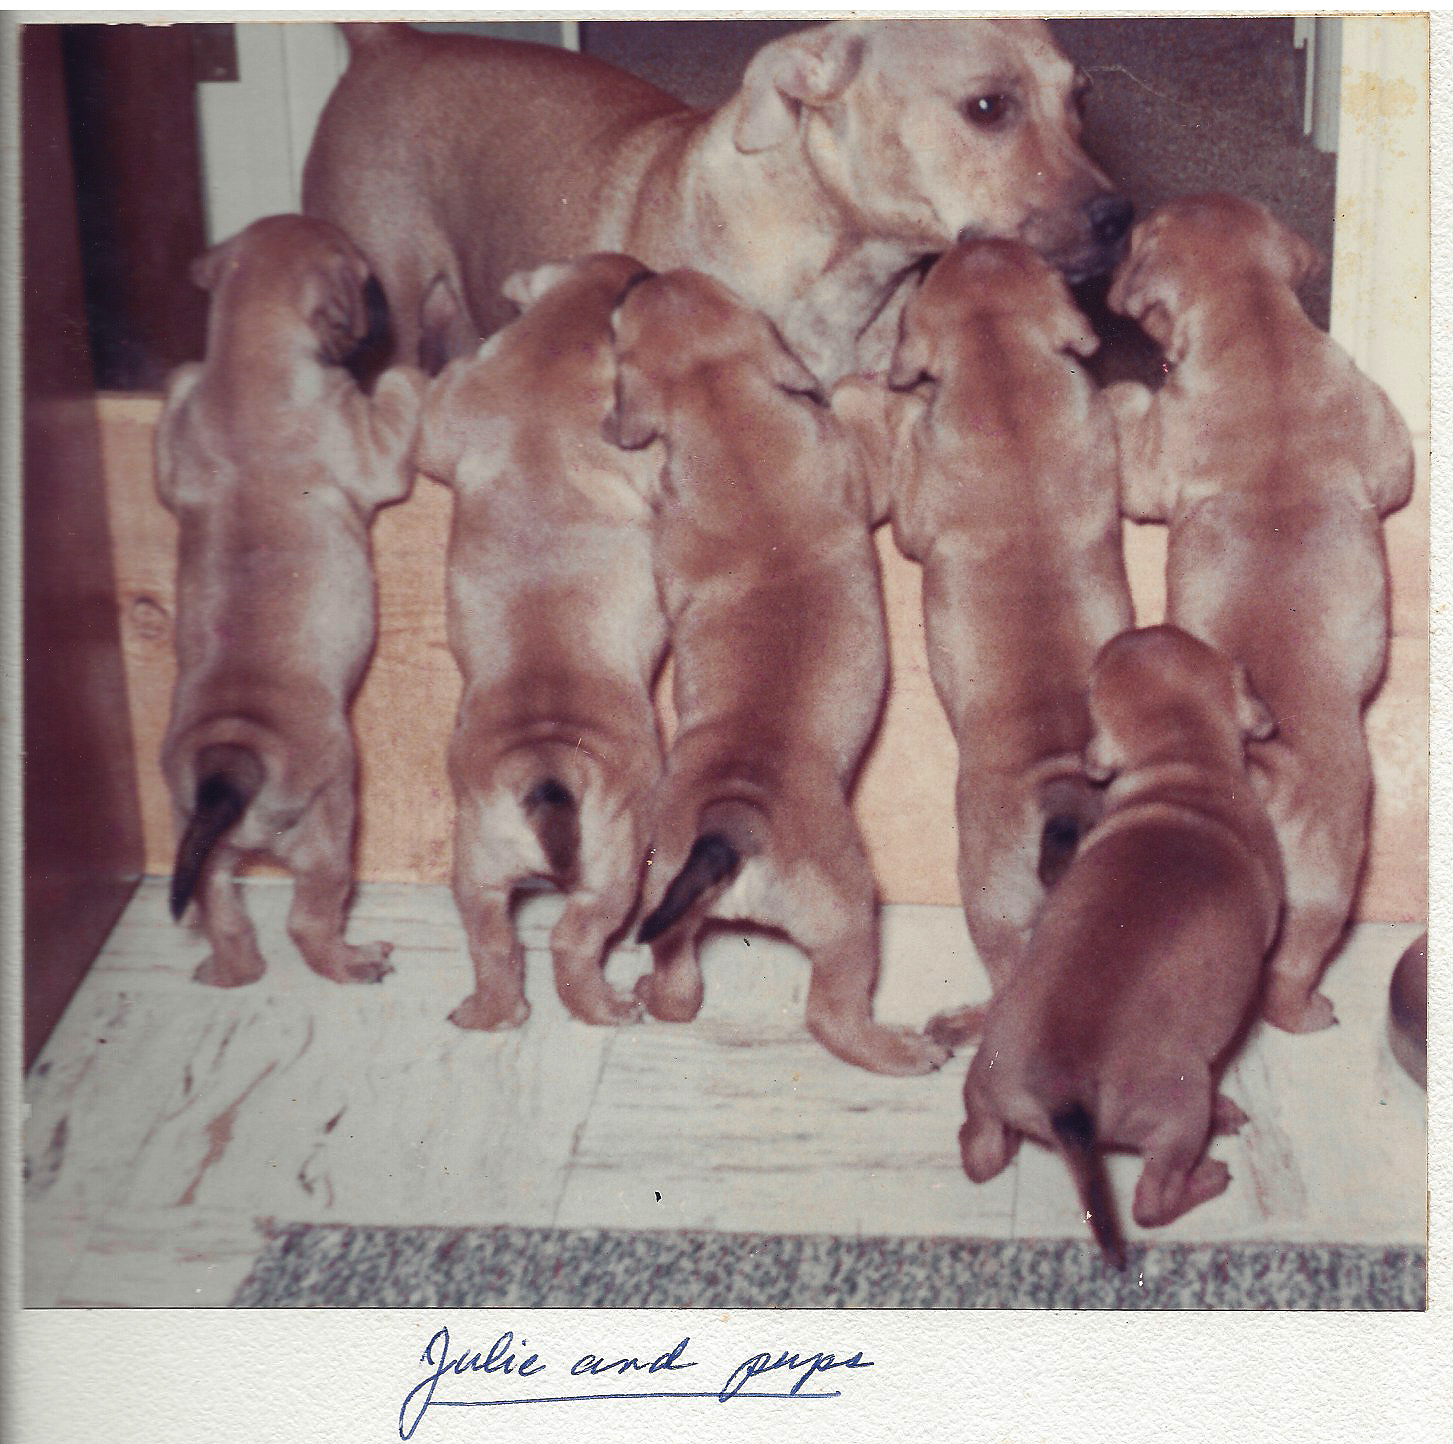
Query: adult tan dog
(849, 151)
(556, 626)
(1272, 458)
(772, 592)
(273, 462)
(1004, 486)
(1149, 952)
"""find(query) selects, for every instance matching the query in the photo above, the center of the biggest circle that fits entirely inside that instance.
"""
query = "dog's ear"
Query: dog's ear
(1145, 290)
(809, 68)
(1297, 260)
(207, 269)
(1252, 714)
(634, 421)
(526, 287)
(1070, 328)
(339, 315)
(1100, 761)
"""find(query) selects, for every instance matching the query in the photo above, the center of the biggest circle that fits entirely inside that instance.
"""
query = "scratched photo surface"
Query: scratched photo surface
(755, 611)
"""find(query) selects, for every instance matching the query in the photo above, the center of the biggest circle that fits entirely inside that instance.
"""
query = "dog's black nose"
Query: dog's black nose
(1110, 218)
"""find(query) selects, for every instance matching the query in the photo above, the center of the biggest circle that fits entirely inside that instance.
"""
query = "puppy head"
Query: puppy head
(292, 275)
(670, 327)
(976, 286)
(1160, 693)
(1200, 248)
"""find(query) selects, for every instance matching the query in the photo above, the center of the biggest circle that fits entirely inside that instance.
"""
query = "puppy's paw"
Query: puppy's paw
(1227, 1117)
(668, 1004)
(217, 972)
(1295, 1011)
(478, 1013)
(904, 1053)
(606, 1008)
(958, 1026)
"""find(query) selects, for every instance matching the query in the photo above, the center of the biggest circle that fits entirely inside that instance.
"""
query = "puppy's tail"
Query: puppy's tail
(728, 834)
(1071, 807)
(551, 809)
(229, 776)
(1074, 1128)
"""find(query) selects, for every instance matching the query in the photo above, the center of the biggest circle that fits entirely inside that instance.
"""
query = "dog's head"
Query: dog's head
(293, 276)
(669, 329)
(1158, 693)
(928, 131)
(977, 286)
(1199, 247)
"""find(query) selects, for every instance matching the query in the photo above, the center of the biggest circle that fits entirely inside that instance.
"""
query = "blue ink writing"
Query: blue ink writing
(499, 1359)
(589, 1364)
(810, 1364)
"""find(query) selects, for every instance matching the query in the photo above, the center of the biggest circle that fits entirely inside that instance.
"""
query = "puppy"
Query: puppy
(1148, 955)
(1272, 458)
(850, 150)
(772, 593)
(273, 463)
(1004, 486)
(555, 623)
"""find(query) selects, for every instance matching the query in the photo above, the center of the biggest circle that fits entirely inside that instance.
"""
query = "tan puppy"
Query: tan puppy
(1004, 487)
(556, 626)
(1148, 955)
(273, 462)
(850, 150)
(771, 588)
(1272, 458)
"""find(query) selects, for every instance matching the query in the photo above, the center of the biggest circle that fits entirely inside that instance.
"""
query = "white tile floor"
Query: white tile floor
(164, 1119)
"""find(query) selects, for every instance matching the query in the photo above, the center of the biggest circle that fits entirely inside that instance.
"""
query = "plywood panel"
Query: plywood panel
(905, 797)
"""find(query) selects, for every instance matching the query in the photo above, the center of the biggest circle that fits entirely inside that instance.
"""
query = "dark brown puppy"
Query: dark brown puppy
(273, 462)
(1148, 955)
(1005, 487)
(850, 150)
(556, 626)
(771, 588)
(1272, 458)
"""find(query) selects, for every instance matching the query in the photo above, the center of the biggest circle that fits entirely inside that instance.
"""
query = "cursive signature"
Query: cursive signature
(506, 1357)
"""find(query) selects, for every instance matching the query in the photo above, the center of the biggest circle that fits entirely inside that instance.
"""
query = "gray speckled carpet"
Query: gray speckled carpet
(345, 1266)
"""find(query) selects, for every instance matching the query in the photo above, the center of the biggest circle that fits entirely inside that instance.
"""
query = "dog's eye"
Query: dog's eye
(986, 110)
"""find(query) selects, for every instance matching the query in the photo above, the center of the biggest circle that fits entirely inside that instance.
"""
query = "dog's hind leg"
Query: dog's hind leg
(318, 852)
(578, 944)
(839, 934)
(1178, 1176)
(672, 991)
(235, 960)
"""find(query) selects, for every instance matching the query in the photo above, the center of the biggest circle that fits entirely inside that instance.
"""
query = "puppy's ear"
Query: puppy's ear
(207, 269)
(809, 68)
(339, 317)
(634, 421)
(1101, 764)
(526, 287)
(1145, 290)
(1297, 259)
(1252, 714)
(1071, 330)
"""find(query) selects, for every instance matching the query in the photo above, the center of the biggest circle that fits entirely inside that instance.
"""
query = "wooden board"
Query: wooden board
(405, 710)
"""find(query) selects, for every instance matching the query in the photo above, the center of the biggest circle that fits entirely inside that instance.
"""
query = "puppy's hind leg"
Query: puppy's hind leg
(318, 851)
(839, 934)
(578, 944)
(235, 960)
(672, 991)
(1178, 1176)
(483, 898)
